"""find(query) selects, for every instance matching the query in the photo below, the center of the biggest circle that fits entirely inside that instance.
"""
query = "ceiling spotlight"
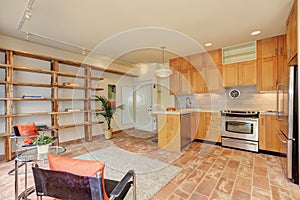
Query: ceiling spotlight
(26, 36)
(254, 33)
(208, 44)
(28, 14)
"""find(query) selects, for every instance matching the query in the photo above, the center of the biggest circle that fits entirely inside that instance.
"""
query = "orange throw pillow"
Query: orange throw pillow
(27, 129)
(78, 166)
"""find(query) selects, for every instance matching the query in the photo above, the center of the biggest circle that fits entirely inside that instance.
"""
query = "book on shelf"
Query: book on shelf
(41, 126)
(73, 84)
(33, 97)
(72, 109)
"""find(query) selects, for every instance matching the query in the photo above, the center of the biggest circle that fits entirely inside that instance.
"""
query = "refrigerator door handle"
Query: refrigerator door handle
(277, 101)
(280, 137)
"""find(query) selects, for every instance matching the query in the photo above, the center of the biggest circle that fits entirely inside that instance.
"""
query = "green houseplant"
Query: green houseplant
(107, 111)
(42, 142)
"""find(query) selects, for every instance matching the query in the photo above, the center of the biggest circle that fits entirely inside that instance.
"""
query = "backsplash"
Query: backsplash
(249, 100)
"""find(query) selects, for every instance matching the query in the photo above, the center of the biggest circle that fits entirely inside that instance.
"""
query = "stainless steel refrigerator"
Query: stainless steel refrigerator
(287, 113)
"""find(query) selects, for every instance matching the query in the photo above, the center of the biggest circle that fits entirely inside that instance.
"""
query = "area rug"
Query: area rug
(151, 174)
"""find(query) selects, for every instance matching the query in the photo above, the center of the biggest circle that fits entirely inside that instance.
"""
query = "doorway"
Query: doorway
(143, 105)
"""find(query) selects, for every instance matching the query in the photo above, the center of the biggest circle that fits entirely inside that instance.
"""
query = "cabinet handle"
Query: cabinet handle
(280, 53)
(262, 121)
(276, 52)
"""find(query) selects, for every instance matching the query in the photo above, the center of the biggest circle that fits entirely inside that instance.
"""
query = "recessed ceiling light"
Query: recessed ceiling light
(208, 44)
(253, 33)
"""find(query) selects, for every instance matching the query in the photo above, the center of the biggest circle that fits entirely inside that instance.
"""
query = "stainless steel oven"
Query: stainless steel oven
(240, 129)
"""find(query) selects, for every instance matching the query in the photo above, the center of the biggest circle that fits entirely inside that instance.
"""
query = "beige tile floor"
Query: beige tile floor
(209, 171)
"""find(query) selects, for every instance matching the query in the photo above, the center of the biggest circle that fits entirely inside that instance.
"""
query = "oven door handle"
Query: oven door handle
(279, 135)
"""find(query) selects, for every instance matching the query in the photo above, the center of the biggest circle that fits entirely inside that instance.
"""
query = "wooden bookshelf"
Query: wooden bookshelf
(56, 75)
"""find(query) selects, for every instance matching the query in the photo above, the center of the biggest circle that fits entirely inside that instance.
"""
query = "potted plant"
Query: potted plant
(107, 111)
(42, 142)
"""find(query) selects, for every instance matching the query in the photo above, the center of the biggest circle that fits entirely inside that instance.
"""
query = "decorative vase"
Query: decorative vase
(108, 134)
(42, 149)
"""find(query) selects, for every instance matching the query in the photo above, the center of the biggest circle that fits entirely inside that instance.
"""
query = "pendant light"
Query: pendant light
(164, 71)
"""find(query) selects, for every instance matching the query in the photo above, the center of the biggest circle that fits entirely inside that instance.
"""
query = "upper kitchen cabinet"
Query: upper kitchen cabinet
(291, 35)
(239, 74)
(269, 47)
(180, 79)
(271, 62)
(213, 70)
(267, 73)
(175, 77)
(213, 58)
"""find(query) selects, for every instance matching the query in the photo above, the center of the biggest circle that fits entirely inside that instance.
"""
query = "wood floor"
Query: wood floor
(209, 171)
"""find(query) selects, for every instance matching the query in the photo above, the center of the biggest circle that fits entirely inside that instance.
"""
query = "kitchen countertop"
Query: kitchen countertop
(180, 112)
(272, 113)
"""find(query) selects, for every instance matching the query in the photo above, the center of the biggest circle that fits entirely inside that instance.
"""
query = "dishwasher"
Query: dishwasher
(185, 129)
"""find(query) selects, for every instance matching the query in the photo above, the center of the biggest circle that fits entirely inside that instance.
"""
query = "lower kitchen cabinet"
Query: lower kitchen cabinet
(169, 131)
(209, 128)
(195, 119)
(269, 126)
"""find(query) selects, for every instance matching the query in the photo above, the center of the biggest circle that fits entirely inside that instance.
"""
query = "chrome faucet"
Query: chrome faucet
(188, 102)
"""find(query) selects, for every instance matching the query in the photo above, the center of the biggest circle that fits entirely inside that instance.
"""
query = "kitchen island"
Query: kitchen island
(176, 129)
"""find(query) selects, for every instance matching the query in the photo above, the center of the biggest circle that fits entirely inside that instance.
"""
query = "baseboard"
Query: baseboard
(94, 137)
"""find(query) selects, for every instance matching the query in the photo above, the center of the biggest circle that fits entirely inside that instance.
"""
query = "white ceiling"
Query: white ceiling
(133, 31)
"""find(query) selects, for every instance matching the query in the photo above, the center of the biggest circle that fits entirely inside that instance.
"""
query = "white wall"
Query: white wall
(161, 96)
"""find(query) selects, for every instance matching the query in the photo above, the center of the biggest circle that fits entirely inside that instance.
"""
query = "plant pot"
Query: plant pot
(108, 134)
(42, 149)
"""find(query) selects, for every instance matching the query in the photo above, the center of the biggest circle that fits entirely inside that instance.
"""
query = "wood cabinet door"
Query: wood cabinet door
(213, 76)
(185, 82)
(197, 82)
(282, 70)
(213, 58)
(230, 74)
(267, 47)
(247, 72)
(174, 79)
(291, 34)
(262, 128)
(269, 126)
(201, 134)
(267, 73)
(294, 31)
(195, 124)
(281, 45)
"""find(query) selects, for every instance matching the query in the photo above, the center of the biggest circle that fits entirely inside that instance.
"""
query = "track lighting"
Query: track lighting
(26, 36)
(28, 14)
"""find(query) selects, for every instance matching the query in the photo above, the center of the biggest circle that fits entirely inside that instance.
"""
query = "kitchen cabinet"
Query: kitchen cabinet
(273, 46)
(230, 74)
(241, 73)
(175, 87)
(269, 126)
(196, 74)
(291, 35)
(213, 58)
(209, 127)
(180, 80)
(195, 123)
(267, 73)
(271, 64)
(213, 77)
(169, 131)
(197, 82)
(203, 125)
